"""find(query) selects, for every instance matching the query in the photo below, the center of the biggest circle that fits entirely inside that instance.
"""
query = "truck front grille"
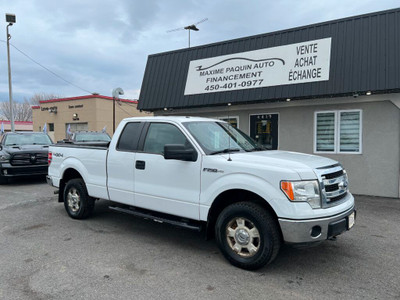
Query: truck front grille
(27, 159)
(334, 184)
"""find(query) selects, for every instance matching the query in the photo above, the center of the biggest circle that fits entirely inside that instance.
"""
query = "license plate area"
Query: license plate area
(351, 220)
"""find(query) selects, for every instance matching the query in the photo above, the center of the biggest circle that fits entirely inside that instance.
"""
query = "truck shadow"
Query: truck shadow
(25, 180)
(328, 257)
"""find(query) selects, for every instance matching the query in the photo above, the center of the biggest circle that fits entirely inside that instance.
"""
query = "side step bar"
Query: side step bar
(158, 217)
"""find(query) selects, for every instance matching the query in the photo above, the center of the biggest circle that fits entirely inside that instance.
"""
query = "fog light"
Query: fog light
(5, 172)
(316, 231)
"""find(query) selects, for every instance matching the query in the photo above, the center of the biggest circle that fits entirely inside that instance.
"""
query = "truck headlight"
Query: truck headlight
(302, 191)
(4, 158)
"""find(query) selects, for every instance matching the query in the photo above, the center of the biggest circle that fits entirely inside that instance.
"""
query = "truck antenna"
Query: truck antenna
(229, 137)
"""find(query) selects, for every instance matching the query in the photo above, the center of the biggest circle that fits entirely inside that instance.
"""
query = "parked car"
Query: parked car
(201, 173)
(23, 154)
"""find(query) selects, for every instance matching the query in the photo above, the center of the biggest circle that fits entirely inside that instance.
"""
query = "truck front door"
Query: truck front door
(170, 186)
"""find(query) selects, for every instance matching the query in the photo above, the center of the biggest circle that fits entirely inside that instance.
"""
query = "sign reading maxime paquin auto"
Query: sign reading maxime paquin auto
(290, 64)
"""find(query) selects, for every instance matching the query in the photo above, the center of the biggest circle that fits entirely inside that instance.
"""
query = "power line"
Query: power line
(47, 69)
(130, 104)
(124, 110)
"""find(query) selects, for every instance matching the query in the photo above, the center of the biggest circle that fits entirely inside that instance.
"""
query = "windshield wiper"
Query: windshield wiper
(227, 150)
(259, 148)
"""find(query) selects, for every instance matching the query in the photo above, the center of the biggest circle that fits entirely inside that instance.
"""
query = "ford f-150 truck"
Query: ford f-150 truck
(205, 174)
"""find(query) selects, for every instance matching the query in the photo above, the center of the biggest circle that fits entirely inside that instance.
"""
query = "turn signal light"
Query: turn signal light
(287, 188)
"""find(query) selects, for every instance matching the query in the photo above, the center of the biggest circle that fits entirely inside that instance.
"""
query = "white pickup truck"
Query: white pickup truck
(205, 174)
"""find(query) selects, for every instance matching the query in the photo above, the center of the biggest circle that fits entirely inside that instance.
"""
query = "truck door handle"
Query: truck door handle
(140, 164)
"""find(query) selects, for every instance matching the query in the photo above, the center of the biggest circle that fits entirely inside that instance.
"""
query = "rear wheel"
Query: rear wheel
(247, 235)
(77, 202)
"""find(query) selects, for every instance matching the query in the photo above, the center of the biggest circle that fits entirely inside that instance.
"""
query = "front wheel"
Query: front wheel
(247, 235)
(77, 202)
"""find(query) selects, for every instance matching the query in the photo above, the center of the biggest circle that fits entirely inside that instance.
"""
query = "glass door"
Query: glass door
(264, 130)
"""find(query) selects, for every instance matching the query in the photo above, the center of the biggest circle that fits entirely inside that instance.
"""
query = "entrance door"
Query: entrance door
(264, 130)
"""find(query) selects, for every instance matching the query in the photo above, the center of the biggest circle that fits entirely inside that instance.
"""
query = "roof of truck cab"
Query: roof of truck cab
(178, 119)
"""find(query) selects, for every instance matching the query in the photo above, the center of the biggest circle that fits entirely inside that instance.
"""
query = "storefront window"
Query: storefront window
(338, 131)
(350, 131)
(326, 132)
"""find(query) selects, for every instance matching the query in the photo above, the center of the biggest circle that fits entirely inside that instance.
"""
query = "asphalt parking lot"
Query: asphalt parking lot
(44, 254)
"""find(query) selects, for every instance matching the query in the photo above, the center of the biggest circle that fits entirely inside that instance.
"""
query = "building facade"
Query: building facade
(19, 125)
(92, 112)
(331, 89)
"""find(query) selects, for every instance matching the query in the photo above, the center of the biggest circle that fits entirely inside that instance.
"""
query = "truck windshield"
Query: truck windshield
(218, 137)
(20, 139)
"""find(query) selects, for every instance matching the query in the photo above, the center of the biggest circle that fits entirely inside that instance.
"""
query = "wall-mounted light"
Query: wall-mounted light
(75, 117)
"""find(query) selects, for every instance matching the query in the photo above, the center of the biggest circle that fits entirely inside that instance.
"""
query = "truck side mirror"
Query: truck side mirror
(179, 152)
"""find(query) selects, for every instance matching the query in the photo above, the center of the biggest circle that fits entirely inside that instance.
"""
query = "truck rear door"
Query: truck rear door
(121, 164)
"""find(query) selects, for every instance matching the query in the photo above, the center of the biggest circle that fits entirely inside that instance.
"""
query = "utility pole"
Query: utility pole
(10, 19)
(115, 93)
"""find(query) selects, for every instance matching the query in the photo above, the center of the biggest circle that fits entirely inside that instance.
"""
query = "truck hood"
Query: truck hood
(24, 148)
(303, 164)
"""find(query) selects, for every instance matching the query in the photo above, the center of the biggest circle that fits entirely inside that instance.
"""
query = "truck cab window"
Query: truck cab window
(130, 137)
(161, 134)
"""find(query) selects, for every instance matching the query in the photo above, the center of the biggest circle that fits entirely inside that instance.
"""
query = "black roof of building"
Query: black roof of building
(365, 56)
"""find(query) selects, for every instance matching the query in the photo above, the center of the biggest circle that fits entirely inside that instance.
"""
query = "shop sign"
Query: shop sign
(75, 106)
(290, 64)
(50, 109)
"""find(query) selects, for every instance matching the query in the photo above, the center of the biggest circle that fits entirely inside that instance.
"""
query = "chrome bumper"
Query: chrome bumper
(314, 230)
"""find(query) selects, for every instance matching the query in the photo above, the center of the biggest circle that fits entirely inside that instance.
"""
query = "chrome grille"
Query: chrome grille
(334, 184)
(27, 159)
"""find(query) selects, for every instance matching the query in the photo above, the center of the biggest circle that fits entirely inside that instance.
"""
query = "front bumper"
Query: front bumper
(314, 230)
(7, 170)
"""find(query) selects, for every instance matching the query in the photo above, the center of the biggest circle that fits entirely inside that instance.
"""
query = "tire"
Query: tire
(247, 235)
(77, 202)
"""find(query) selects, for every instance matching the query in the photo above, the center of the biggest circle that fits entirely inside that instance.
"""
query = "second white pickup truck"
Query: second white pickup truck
(204, 174)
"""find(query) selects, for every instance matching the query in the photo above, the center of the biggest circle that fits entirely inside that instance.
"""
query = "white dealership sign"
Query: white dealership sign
(290, 64)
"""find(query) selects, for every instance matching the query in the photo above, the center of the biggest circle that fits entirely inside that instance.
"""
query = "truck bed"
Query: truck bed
(101, 145)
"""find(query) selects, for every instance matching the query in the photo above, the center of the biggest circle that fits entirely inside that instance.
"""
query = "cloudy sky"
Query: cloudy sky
(99, 45)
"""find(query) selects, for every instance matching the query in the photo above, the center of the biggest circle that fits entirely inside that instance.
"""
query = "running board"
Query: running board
(158, 217)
